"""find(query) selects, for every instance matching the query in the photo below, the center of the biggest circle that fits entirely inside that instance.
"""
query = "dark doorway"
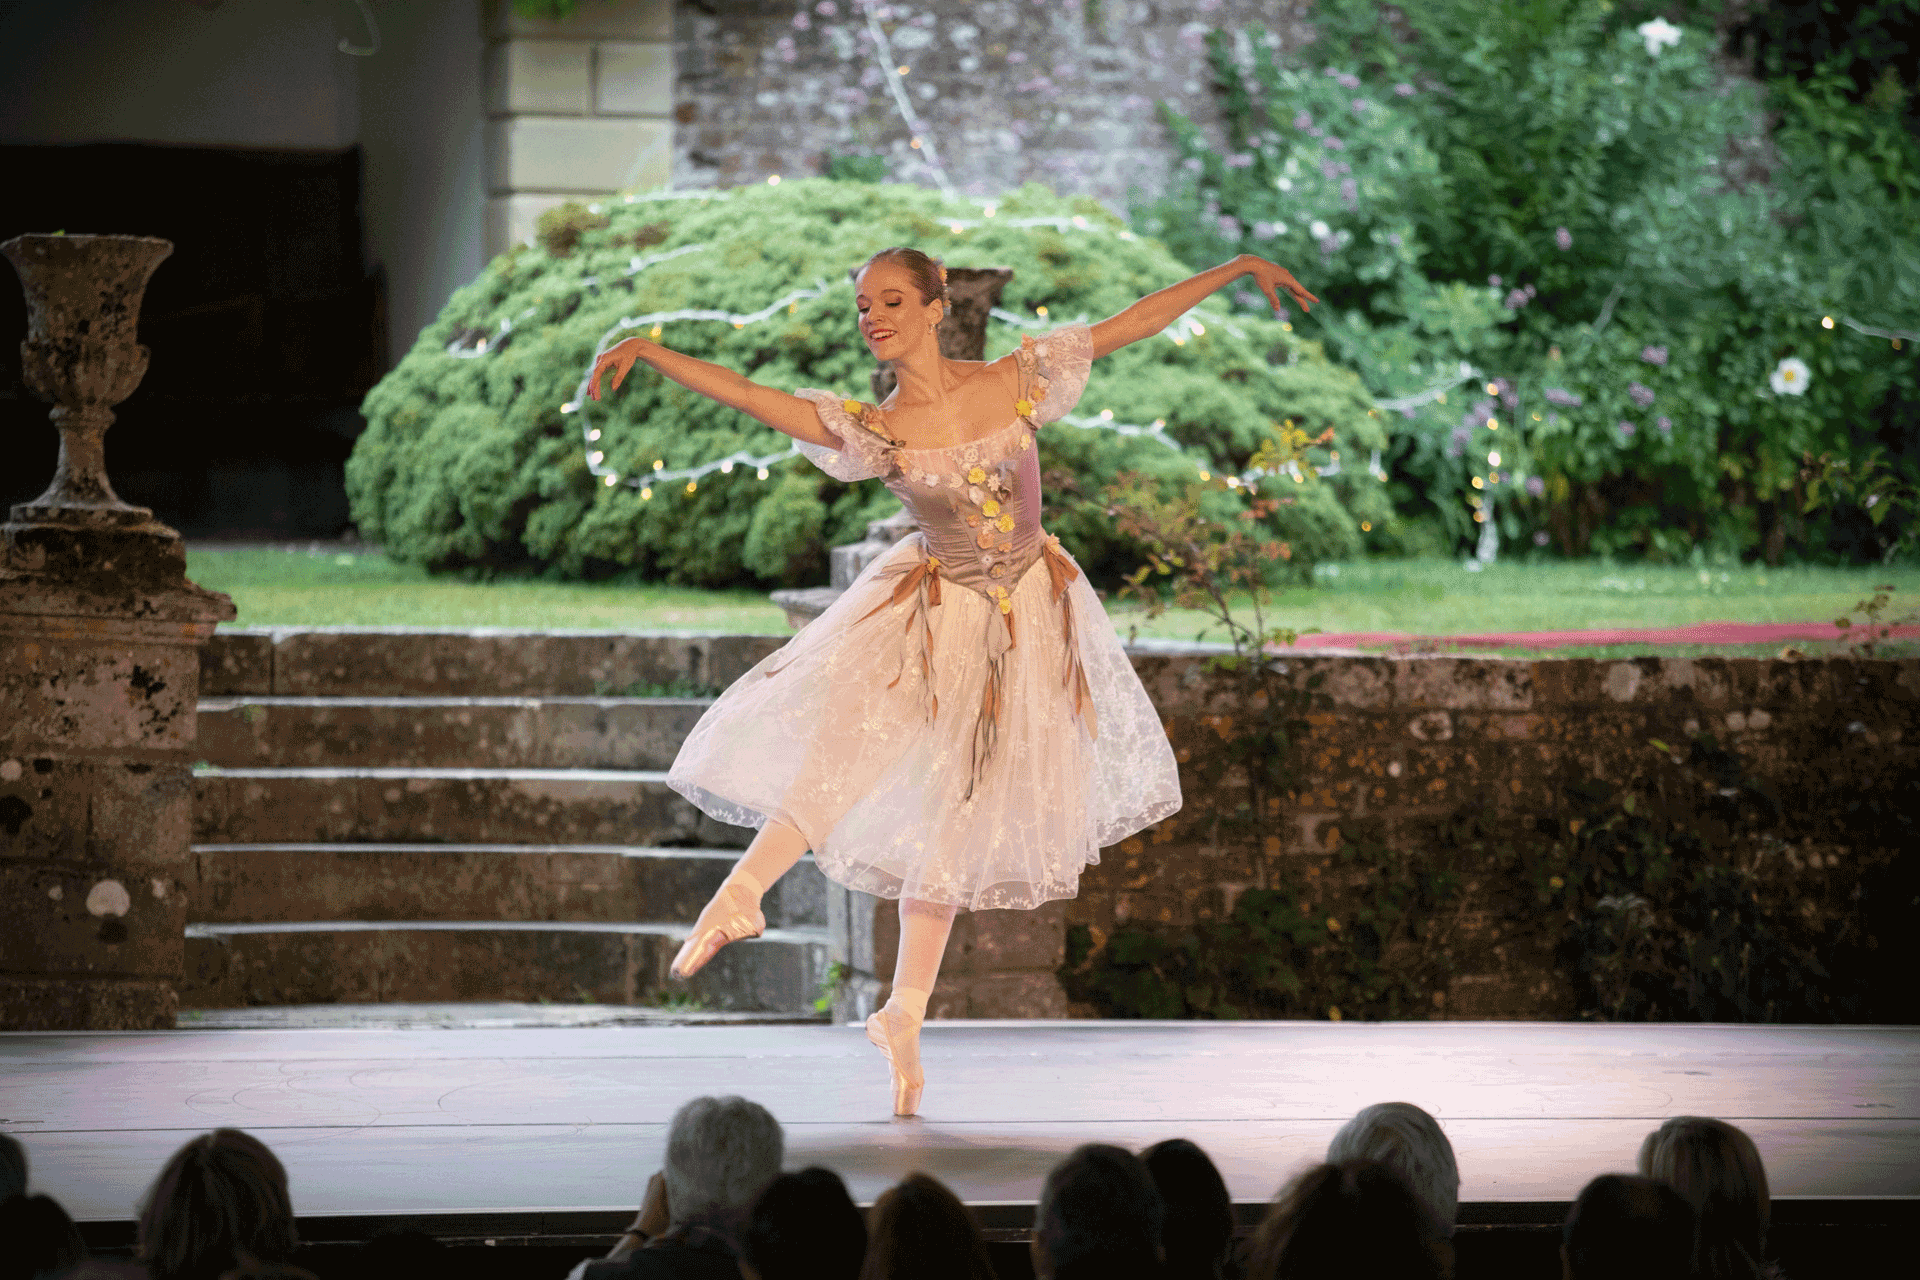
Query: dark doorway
(266, 327)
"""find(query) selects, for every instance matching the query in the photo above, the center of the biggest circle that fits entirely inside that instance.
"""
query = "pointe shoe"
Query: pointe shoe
(727, 918)
(907, 1082)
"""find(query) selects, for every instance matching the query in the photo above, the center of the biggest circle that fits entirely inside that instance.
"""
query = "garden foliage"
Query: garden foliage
(1535, 206)
(470, 459)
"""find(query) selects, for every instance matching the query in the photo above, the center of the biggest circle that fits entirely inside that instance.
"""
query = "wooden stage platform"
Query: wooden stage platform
(557, 1130)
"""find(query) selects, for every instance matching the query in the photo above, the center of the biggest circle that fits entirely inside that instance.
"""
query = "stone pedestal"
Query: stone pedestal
(99, 675)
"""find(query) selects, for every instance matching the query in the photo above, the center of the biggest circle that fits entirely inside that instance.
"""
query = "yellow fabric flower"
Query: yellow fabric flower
(1006, 605)
(1005, 523)
(851, 406)
(990, 507)
(976, 475)
(1023, 407)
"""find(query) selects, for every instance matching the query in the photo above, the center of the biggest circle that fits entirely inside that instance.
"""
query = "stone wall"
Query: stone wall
(1009, 91)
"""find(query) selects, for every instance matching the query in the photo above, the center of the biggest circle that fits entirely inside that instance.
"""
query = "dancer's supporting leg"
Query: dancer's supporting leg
(924, 927)
(734, 912)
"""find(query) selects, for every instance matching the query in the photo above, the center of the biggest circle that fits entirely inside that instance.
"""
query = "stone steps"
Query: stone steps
(487, 732)
(448, 805)
(248, 883)
(336, 961)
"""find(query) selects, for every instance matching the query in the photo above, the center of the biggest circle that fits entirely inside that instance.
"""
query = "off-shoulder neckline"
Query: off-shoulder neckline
(964, 444)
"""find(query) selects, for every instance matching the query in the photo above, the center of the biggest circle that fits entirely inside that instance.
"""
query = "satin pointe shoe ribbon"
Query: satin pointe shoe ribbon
(907, 1086)
(726, 918)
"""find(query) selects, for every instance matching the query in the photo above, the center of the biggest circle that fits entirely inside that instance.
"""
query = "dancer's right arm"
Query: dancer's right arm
(782, 412)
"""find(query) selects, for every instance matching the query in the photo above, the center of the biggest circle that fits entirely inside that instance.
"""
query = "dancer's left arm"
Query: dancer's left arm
(1158, 310)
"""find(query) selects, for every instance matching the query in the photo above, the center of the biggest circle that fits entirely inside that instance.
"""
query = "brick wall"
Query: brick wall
(1010, 91)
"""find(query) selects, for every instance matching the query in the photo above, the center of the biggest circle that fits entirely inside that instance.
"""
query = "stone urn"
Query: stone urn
(972, 293)
(99, 676)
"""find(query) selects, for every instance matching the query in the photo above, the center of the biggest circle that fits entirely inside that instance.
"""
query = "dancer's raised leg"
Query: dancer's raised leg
(895, 1027)
(734, 912)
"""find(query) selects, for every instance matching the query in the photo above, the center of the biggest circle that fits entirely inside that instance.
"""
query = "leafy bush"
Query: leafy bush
(1524, 211)
(470, 459)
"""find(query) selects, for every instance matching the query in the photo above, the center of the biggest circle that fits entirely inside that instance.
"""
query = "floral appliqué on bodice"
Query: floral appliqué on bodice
(977, 504)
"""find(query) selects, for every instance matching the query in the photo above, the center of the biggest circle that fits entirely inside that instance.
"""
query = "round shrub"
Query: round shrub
(476, 454)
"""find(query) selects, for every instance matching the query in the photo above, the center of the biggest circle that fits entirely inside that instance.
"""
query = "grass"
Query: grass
(333, 585)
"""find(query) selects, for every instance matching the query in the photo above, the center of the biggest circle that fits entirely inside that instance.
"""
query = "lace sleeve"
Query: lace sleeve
(861, 455)
(1065, 359)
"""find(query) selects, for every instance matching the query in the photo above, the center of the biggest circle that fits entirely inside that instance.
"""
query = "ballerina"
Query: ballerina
(961, 729)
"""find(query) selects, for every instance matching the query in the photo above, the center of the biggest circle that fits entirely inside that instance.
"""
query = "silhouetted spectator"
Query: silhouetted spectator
(1099, 1216)
(804, 1226)
(219, 1205)
(37, 1238)
(919, 1230)
(721, 1153)
(13, 1168)
(1197, 1233)
(1338, 1221)
(1716, 1169)
(1627, 1228)
(1408, 1141)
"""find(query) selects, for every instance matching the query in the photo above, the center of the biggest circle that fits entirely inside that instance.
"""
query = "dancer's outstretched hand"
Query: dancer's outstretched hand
(1272, 277)
(619, 358)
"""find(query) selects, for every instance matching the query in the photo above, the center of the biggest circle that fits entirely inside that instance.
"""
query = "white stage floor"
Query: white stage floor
(467, 1121)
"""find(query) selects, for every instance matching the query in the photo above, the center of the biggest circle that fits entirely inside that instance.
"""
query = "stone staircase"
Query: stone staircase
(395, 816)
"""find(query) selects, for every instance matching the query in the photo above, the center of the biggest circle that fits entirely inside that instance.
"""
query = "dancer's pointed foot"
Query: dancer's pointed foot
(897, 1033)
(733, 914)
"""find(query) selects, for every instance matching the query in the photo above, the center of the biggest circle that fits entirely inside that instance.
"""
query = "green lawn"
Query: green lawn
(327, 585)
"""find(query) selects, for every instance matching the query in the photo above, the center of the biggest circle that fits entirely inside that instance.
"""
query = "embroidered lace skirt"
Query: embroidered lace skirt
(864, 732)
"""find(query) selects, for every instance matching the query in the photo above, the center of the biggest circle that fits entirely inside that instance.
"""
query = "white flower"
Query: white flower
(1658, 34)
(1790, 377)
(1318, 229)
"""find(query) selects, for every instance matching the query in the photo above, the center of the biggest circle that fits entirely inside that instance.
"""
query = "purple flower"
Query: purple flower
(1332, 73)
(1557, 396)
(1265, 231)
(1192, 164)
(1507, 396)
(1350, 193)
(1404, 90)
(1335, 144)
(1642, 396)
(870, 78)
(1654, 355)
(1302, 120)
(1540, 538)
(1360, 106)
(1625, 429)
(1329, 169)
(1553, 419)
(1495, 281)
(1517, 299)
(1229, 227)
(1665, 424)
(1393, 238)
(826, 8)
(1457, 442)
(802, 20)
(1563, 237)
(1346, 81)
(1240, 160)
(1017, 57)
(1536, 486)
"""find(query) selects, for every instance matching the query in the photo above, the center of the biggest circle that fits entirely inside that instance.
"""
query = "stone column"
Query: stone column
(578, 108)
(99, 674)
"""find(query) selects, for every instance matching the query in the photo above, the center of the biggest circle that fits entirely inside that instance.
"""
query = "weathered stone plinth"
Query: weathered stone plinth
(99, 675)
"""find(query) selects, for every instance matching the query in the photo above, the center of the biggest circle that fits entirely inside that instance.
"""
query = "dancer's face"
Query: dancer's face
(893, 319)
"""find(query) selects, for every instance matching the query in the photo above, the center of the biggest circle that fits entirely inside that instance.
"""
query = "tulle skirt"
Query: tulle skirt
(864, 733)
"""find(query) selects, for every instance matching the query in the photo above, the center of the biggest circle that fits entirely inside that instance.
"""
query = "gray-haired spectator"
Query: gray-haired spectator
(13, 1168)
(721, 1153)
(1716, 1169)
(1408, 1141)
(1627, 1228)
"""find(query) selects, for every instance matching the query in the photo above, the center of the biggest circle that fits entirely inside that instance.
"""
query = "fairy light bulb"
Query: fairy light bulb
(691, 486)
(763, 473)
(773, 179)
(1826, 322)
(612, 481)
(646, 493)
(594, 434)
(1493, 389)
(1493, 424)
(659, 465)
(655, 332)
(1493, 459)
(726, 468)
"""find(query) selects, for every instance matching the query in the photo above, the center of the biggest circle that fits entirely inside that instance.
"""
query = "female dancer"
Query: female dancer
(961, 728)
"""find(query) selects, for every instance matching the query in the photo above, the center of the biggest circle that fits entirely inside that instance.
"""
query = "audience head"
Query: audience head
(1627, 1226)
(1197, 1232)
(919, 1230)
(37, 1238)
(804, 1225)
(221, 1203)
(1717, 1170)
(721, 1152)
(1408, 1141)
(1099, 1215)
(13, 1168)
(1356, 1218)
